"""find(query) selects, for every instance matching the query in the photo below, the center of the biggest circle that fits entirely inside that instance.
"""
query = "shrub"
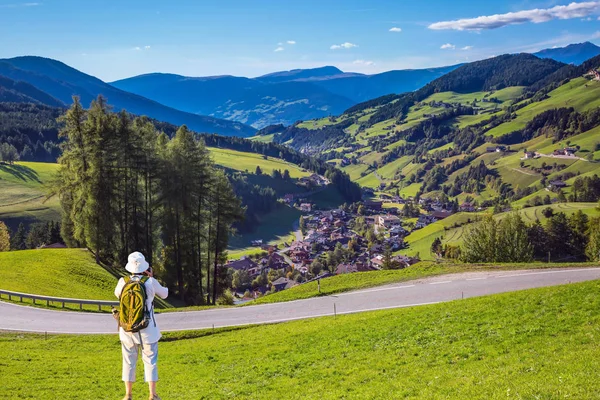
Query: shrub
(226, 299)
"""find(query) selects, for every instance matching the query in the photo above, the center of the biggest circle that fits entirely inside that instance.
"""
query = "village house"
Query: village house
(441, 214)
(557, 185)
(288, 198)
(283, 283)
(245, 264)
(528, 154)
(467, 207)
(306, 207)
(257, 242)
(387, 221)
(397, 230)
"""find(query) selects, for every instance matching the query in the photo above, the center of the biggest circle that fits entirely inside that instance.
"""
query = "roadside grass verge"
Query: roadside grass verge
(533, 344)
(362, 280)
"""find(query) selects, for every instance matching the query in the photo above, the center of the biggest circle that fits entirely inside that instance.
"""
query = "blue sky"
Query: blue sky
(114, 39)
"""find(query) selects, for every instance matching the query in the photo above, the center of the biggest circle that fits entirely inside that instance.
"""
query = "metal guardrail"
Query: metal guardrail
(63, 301)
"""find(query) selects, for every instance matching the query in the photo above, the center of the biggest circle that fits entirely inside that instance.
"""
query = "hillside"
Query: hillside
(475, 348)
(482, 135)
(62, 82)
(280, 97)
(21, 92)
(23, 195)
(66, 273)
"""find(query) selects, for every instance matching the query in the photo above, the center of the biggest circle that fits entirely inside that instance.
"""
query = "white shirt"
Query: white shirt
(151, 334)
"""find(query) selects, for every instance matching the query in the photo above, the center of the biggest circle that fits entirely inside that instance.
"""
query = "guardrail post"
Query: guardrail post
(63, 304)
(47, 303)
(99, 307)
(81, 306)
(33, 300)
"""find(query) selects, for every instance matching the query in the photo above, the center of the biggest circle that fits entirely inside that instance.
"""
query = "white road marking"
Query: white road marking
(548, 272)
(476, 279)
(439, 283)
(373, 290)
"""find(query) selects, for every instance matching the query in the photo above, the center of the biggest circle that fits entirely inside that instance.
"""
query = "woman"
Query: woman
(147, 338)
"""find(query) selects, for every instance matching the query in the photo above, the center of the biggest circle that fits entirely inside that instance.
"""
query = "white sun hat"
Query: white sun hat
(136, 263)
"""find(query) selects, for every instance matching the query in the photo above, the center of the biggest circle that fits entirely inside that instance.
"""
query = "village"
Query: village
(362, 237)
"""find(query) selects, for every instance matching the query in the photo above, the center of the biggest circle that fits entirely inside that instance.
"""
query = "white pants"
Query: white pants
(149, 357)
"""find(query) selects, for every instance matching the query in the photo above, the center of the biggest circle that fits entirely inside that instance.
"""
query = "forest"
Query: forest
(124, 186)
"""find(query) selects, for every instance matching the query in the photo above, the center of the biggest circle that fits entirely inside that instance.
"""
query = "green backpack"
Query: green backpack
(133, 314)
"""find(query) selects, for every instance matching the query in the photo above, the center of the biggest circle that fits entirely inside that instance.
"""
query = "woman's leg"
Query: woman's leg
(150, 358)
(128, 386)
(130, 355)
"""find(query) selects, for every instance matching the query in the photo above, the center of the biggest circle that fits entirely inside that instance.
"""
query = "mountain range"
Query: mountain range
(228, 105)
(281, 97)
(61, 82)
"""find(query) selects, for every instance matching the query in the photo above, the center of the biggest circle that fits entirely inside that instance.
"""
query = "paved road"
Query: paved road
(414, 293)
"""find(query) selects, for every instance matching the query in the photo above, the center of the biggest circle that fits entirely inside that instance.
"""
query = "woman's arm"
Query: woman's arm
(119, 288)
(159, 290)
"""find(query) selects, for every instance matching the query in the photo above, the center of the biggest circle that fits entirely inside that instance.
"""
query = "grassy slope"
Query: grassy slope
(56, 272)
(22, 198)
(539, 343)
(579, 93)
(242, 161)
(274, 228)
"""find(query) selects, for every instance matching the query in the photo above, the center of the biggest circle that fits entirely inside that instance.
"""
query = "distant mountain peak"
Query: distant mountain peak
(305, 73)
(575, 53)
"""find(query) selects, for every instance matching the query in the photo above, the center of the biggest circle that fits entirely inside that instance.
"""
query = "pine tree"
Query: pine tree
(4, 237)
(592, 249)
(17, 241)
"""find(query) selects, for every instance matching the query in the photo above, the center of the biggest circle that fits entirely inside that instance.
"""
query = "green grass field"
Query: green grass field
(56, 272)
(23, 194)
(242, 161)
(579, 93)
(274, 228)
(533, 344)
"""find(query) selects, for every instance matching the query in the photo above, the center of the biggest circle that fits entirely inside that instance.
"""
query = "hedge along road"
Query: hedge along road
(413, 293)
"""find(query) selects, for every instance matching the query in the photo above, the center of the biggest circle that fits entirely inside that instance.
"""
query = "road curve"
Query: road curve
(413, 293)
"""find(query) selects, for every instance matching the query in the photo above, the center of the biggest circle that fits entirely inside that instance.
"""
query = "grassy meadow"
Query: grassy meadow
(533, 344)
(56, 272)
(23, 194)
(243, 161)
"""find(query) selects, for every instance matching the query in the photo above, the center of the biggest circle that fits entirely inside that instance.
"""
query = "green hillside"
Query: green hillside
(532, 344)
(64, 272)
(23, 194)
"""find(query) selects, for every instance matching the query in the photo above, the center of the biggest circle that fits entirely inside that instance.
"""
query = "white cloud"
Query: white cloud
(395, 29)
(537, 15)
(596, 35)
(146, 47)
(363, 62)
(16, 5)
(291, 42)
(447, 46)
(346, 45)
(466, 48)
(279, 49)
(137, 48)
